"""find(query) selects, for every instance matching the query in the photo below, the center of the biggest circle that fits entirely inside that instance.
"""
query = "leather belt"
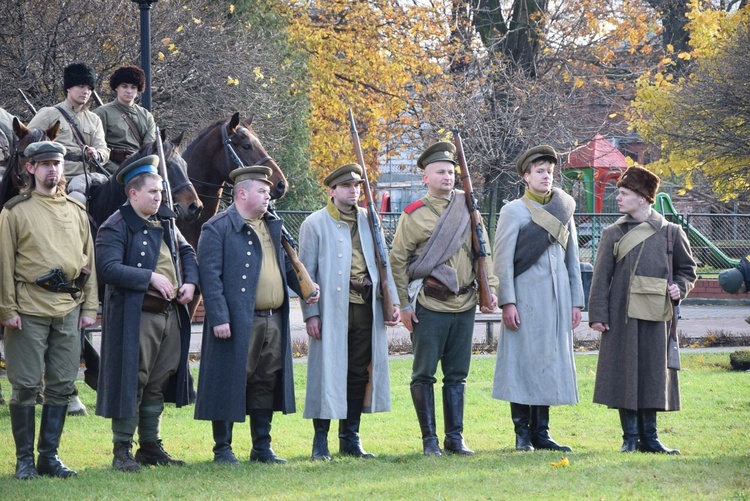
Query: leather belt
(266, 313)
(435, 289)
(155, 304)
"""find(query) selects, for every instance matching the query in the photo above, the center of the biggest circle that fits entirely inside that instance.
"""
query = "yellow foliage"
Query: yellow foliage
(562, 462)
(179, 28)
(160, 56)
(233, 81)
(258, 73)
(231, 8)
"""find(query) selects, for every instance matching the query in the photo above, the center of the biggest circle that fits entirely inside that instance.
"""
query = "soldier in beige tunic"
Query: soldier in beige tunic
(79, 82)
(46, 252)
(433, 268)
(127, 126)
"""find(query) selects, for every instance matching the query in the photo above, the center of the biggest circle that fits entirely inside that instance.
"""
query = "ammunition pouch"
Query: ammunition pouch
(435, 289)
(363, 287)
(56, 281)
(118, 155)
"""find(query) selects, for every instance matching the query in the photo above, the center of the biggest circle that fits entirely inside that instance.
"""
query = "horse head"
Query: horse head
(244, 143)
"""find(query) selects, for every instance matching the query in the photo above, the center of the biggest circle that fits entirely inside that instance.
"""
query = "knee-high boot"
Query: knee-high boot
(223, 454)
(423, 397)
(23, 422)
(260, 430)
(320, 450)
(648, 434)
(453, 416)
(349, 442)
(520, 414)
(49, 463)
(540, 438)
(629, 422)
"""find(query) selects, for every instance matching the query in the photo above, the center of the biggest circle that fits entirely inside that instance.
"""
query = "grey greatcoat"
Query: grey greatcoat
(326, 251)
(535, 364)
(230, 254)
(127, 249)
(632, 369)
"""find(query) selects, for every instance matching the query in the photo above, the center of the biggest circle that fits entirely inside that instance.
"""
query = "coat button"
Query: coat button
(249, 242)
(143, 253)
(341, 272)
(248, 232)
(338, 226)
(338, 289)
(249, 253)
(145, 243)
(139, 265)
(341, 255)
(145, 232)
(242, 290)
(341, 239)
(244, 277)
(247, 265)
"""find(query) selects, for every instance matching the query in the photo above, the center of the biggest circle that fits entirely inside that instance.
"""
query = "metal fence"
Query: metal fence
(718, 241)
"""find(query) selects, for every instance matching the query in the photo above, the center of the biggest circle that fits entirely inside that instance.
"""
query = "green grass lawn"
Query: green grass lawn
(712, 431)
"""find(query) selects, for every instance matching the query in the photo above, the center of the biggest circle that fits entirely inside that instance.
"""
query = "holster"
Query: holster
(56, 281)
(435, 289)
(118, 155)
(363, 287)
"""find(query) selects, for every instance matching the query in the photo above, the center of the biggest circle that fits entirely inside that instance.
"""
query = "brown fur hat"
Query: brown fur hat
(128, 74)
(641, 181)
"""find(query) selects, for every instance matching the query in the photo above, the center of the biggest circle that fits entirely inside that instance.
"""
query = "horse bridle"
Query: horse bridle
(232, 155)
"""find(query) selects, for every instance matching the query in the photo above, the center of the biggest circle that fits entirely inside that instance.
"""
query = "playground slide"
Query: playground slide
(719, 260)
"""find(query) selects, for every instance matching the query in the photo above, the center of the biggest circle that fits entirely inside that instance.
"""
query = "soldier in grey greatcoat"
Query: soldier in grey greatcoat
(632, 374)
(347, 369)
(536, 262)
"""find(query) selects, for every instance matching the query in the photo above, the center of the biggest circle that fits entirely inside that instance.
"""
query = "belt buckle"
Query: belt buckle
(263, 313)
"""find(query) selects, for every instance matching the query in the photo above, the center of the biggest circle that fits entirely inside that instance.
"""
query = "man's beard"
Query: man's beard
(51, 182)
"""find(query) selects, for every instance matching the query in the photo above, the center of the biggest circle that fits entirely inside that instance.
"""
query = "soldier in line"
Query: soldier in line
(127, 126)
(47, 294)
(433, 268)
(150, 275)
(246, 353)
(347, 370)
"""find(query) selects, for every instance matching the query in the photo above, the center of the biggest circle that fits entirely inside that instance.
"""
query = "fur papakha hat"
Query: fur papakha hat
(79, 74)
(534, 154)
(641, 181)
(128, 74)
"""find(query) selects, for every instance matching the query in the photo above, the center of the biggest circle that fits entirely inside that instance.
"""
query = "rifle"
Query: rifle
(306, 284)
(373, 218)
(479, 246)
(97, 99)
(28, 103)
(169, 203)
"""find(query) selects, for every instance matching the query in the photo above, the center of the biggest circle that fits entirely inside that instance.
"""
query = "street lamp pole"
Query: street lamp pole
(145, 7)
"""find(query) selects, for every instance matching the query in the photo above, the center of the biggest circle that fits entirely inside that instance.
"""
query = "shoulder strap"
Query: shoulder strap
(132, 128)
(631, 239)
(17, 200)
(548, 222)
(73, 126)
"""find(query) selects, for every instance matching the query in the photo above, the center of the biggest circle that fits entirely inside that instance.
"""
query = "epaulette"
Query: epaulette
(77, 202)
(17, 200)
(413, 206)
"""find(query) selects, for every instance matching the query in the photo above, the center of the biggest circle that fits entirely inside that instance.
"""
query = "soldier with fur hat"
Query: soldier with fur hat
(79, 81)
(434, 274)
(348, 349)
(632, 266)
(48, 293)
(127, 125)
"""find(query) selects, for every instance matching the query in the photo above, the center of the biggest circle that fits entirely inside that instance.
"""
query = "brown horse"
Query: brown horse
(13, 179)
(213, 154)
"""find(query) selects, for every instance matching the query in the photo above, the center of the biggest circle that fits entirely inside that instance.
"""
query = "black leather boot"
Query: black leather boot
(423, 397)
(453, 418)
(649, 437)
(320, 450)
(629, 422)
(349, 441)
(540, 438)
(23, 422)
(153, 454)
(521, 416)
(48, 463)
(223, 443)
(260, 430)
(123, 459)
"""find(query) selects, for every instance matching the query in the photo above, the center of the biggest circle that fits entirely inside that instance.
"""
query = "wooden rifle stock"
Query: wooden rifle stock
(306, 284)
(477, 236)
(373, 218)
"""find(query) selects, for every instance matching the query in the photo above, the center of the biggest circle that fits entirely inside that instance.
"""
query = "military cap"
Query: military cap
(257, 172)
(731, 280)
(45, 150)
(349, 172)
(128, 74)
(442, 151)
(535, 153)
(641, 181)
(148, 164)
(78, 74)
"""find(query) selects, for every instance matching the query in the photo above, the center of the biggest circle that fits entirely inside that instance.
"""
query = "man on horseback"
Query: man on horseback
(47, 294)
(151, 273)
(127, 126)
(81, 131)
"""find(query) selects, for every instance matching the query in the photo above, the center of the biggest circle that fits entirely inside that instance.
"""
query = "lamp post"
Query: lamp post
(145, 7)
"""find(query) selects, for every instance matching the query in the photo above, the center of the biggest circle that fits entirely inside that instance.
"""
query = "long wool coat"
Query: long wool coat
(632, 369)
(127, 249)
(535, 364)
(230, 254)
(326, 251)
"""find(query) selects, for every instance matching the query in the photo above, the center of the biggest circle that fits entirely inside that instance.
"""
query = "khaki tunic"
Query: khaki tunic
(117, 132)
(413, 231)
(88, 124)
(60, 238)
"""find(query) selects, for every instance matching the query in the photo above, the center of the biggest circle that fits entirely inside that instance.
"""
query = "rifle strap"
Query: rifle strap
(670, 264)
(73, 127)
